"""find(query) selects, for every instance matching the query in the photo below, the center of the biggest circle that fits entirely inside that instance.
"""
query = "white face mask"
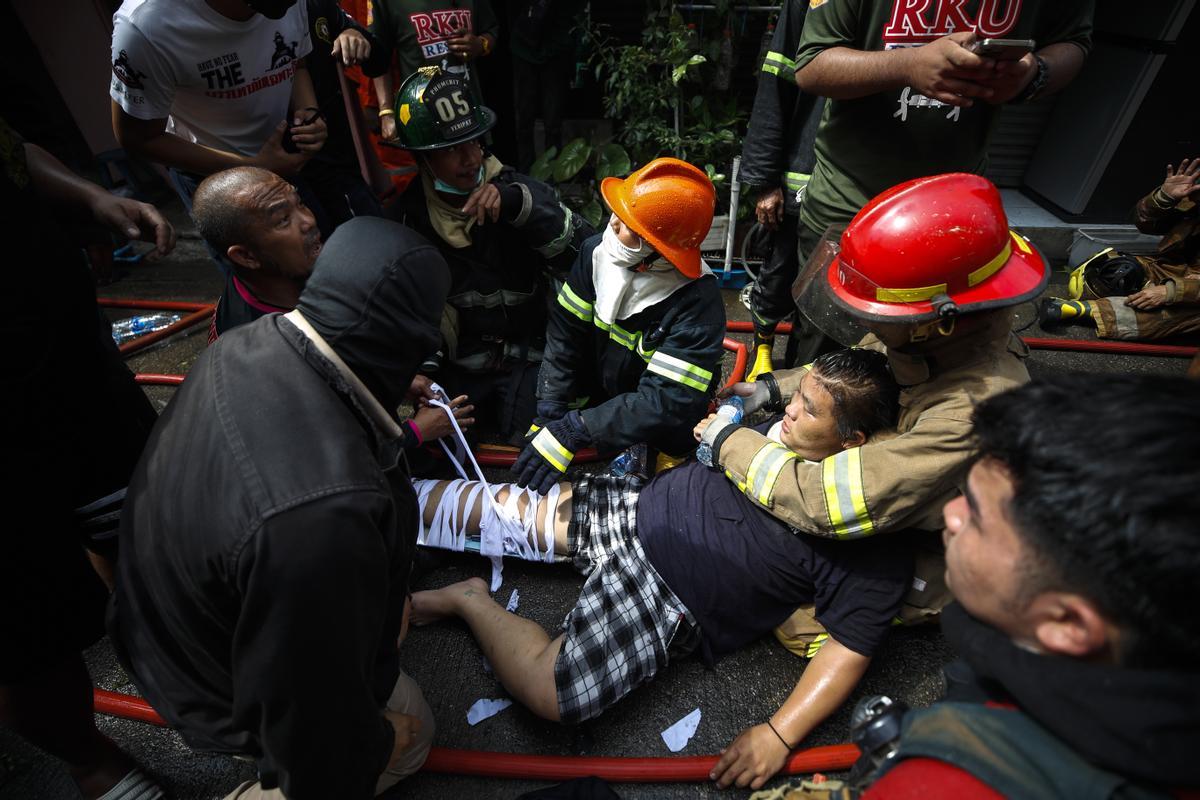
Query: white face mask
(621, 255)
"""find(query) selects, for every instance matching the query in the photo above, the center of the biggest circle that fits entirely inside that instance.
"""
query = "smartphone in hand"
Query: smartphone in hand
(1002, 49)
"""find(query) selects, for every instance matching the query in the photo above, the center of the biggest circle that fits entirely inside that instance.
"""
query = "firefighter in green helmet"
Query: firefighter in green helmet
(505, 237)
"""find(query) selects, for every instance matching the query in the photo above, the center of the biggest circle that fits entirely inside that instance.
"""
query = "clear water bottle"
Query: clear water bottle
(631, 461)
(132, 327)
(731, 409)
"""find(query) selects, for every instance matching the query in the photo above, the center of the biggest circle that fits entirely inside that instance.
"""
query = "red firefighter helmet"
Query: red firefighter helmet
(933, 248)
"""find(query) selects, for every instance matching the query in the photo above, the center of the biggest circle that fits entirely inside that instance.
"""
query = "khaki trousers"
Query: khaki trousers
(406, 699)
(1115, 320)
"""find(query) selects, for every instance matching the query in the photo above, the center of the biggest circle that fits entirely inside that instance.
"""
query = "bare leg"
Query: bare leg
(562, 513)
(520, 651)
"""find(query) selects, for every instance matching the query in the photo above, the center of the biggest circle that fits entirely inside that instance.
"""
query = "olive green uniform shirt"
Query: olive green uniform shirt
(871, 143)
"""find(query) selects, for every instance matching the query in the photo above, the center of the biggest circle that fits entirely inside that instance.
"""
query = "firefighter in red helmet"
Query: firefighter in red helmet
(927, 272)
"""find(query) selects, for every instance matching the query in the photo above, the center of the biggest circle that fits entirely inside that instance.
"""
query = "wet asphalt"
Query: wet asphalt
(742, 690)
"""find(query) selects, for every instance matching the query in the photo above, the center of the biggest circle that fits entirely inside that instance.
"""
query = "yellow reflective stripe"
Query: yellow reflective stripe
(796, 180)
(780, 59)
(845, 500)
(559, 243)
(680, 371)
(1022, 244)
(574, 303)
(622, 336)
(740, 484)
(816, 644)
(779, 65)
(913, 295)
(601, 324)
(989, 269)
(558, 456)
(645, 354)
(918, 293)
(764, 471)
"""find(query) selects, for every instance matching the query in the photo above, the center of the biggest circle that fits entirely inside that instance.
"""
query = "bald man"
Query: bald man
(258, 221)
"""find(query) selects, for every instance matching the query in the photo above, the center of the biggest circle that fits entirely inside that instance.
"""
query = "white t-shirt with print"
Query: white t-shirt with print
(221, 83)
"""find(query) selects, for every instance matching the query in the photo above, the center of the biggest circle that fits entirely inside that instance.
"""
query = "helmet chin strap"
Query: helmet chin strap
(925, 330)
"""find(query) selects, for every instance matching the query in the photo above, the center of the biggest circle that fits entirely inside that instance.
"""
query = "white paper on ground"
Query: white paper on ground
(485, 708)
(513, 599)
(677, 735)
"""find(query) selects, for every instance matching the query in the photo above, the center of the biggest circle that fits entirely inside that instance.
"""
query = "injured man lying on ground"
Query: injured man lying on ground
(680, 565)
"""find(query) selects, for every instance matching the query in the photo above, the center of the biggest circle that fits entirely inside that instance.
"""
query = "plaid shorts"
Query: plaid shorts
(627, 623)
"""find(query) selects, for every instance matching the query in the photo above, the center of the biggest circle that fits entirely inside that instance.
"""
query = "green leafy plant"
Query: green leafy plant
(581, 162)
(662, 95)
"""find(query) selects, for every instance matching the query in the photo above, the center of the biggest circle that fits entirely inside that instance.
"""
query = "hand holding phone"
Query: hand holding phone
(1002, 49)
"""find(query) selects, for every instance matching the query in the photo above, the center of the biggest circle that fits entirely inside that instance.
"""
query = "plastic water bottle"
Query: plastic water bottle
(731, 409)
(631, 461)
(132, 327)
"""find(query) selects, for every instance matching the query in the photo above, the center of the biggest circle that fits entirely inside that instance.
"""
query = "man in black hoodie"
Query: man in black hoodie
(269, 529)
(1073, 554)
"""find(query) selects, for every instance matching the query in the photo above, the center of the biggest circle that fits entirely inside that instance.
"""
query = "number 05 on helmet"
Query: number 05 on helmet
(435, 109)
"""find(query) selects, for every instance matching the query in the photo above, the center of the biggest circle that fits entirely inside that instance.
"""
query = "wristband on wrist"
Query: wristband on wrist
(774, 395)
(1164, 200)
(777, 734)
(383, 112)
(416, 430)
(1035, 86)
(316, 115)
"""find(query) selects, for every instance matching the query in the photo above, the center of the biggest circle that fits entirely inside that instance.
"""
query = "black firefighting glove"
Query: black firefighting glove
(547, 411)
(545, 459)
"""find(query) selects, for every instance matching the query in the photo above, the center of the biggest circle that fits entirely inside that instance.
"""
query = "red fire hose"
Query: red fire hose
(739, 360)
(690, 769)
(1075, 345)
(832, 758)
(156, 379)
(1112, 348)
(200, 312)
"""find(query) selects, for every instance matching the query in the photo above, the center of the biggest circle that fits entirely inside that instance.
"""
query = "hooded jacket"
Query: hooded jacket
(269, 528)
(1033, 725)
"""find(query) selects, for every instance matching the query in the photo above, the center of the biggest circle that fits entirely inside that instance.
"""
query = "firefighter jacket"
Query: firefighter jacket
(778, 148)
(893, 483)
(500, 281)
(654, 372)
(1177, 262)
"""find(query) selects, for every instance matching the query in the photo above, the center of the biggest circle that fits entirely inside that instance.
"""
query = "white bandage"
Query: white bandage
(517, 534)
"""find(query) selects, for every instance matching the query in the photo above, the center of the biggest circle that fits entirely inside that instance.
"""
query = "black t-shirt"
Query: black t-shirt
(742, 572)
(238, 306)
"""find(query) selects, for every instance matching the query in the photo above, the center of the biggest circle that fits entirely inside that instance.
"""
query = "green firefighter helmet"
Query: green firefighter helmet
(435, 109)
